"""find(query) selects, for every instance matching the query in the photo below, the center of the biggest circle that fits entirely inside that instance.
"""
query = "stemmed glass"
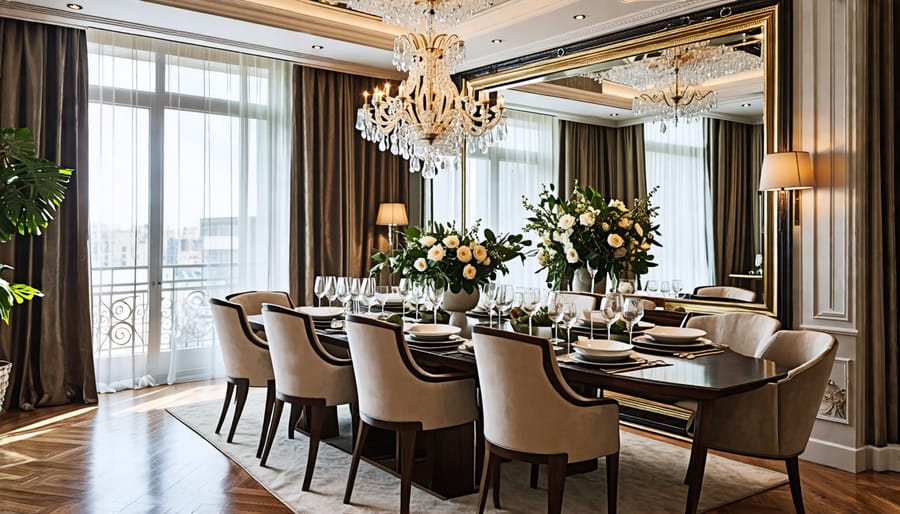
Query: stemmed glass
(342, 292)
(652, 287)
(404, 289)
(592, 271)
(556, 313)
(319, 288)
(435, 296)
(677, 286)
(488, 297)
(330, 289)
(356, 287)
(568, 316)
(664, 288)
(504, 298)
(381, 296)
(611, 305)
(368, 292)
(417, 292)
(632, 312)
(530, 300)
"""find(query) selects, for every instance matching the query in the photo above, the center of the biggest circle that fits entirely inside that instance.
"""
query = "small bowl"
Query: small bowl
(603, 350)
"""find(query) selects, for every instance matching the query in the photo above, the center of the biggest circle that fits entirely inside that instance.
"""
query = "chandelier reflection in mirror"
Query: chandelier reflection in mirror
(670, 84)
(428, 119)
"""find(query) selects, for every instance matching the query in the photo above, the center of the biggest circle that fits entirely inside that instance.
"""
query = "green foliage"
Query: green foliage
(443, 256)
(31, 190)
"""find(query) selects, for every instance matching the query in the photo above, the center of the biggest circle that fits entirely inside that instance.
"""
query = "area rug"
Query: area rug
(650, 474)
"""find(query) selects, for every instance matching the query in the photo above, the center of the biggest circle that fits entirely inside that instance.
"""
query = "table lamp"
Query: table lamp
(391, 215)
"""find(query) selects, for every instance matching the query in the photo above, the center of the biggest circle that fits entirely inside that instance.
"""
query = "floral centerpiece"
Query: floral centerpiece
(445, 257)
(585, 228)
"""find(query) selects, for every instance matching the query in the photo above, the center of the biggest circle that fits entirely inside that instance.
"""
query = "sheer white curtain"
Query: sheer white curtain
(190, 175)
(674, 161)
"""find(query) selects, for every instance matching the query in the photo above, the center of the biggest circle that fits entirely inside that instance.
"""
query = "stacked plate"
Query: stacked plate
(603, 352)
(323, 317)
(433, 336)
(672, 340)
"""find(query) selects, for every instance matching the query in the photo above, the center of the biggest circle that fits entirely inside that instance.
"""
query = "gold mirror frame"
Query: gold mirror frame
(766, 20)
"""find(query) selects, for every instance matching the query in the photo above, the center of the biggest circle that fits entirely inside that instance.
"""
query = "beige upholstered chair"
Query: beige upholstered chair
(247, 363)
(252, 301)
(743, 332)
(396, 394)
(305, 374)
(527, 405)
(775, 421)
(726, 293)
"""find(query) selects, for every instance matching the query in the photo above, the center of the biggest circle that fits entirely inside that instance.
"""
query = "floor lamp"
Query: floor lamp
(785, 172)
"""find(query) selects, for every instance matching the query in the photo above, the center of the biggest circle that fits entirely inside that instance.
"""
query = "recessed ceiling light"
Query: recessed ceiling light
(318, 47)
(746, 104)
(496, 41)
(614, 114)
(579, 17)
(75, 7)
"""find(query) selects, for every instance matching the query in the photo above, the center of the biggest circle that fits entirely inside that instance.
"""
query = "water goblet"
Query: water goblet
(611, 305)
(487, 300)
(381, 296)
(403, 289)
(632, 312)
(355, 292)
(601, 316)
(435, 296)
(418, 293)
(677, 286)
(531, 299)
(555, 311)
(568, 317)
(664, 288)
(319, 288)
(652, 287)
(368, 292)
(330, 289)
(504, 298)
(342, 292)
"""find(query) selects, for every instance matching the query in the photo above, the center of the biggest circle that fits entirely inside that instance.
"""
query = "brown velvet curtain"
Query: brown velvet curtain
(338, 180)
(609, 159)
(880, 192)
(43, 69)
(734, 153)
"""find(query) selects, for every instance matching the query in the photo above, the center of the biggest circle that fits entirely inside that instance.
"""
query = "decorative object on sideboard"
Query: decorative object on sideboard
(428, 119)
(835, 400)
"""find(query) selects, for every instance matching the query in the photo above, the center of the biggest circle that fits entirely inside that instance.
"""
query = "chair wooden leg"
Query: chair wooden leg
(612, 482)
(486, 479)
(535, 471)
(407, 460)
(273, 427)
(793, 471)
(270, 399)
(495, 480)
(556, 482)
(354, 422)
(687, 474)
(354, 461)
(229, 390)
(296, 410)
(243, 387)
(316, 422)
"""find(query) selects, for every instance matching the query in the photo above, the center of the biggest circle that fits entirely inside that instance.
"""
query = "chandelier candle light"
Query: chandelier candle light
(428, 119)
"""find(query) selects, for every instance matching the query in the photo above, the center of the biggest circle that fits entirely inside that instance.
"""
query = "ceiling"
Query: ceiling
(358, 42)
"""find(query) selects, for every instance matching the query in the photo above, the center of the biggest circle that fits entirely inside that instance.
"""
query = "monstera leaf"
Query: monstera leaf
(31, 190)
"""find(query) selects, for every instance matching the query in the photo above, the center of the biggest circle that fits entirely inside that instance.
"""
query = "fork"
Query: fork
(704, 353)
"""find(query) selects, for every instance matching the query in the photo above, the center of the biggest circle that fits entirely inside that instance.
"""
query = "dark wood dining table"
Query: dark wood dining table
(702, 380)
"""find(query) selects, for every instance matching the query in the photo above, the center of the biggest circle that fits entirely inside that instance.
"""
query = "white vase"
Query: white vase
(581, 281)
(457, 304)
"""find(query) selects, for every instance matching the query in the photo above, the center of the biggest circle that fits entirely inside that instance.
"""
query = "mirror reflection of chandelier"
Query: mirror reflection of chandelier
(670, 84)
(428, 118)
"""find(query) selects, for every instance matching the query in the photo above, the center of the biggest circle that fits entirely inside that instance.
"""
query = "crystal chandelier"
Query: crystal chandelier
(670, 84)
(428, 119)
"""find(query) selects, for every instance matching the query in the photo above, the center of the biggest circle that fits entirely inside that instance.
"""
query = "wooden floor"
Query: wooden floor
(128, 455)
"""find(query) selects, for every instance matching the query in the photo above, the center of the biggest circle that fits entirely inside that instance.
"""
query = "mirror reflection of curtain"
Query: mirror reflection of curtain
(675, 164)
(338, 181)
(44, 70)
(734, 153)
(609, 159)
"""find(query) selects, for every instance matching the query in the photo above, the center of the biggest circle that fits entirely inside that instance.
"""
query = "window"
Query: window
(189, 190)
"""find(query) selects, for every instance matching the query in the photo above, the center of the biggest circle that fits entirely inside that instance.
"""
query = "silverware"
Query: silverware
(648, 364)
(704, 353)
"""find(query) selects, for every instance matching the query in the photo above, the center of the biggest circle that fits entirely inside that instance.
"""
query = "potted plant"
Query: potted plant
(31, 190)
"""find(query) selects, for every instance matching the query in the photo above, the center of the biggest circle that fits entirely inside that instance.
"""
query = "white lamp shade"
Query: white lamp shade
(786, 170)
(391, 214)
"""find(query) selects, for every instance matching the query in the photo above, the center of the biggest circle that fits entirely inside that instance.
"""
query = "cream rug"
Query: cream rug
(650, 474)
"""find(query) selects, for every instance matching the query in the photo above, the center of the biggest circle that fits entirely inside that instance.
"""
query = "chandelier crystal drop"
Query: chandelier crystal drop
(670, 84)
(428, 118)
(421, 15)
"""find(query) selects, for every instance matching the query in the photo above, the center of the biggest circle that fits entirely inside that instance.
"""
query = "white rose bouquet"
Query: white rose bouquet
(586, 228)
(446, 257)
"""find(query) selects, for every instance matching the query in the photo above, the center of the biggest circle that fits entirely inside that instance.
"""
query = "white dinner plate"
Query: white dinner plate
(577, 357)
(674, 334)
(649, 342)
(432, 331)
(602, 350)
(321, 313)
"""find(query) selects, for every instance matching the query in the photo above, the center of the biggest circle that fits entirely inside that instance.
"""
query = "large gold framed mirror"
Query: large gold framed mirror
(604, 75)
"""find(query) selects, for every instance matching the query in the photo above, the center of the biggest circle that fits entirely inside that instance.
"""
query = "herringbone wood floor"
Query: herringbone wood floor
(128, 455)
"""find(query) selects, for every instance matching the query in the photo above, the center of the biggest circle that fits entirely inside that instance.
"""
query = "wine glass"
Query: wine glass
(342, 292)
(504, 298)
(319, 288)
(435, 296)
(568, 316)
(592, 271)
(555, 311)
(632, 312)
(531, 299)
(356, 287)
(381, 296)
(418, 292)
(600, 316)
(677, 286)
(330, 289)
(488, 293)
(611, 305)
(664, 287)
(368, 292)
(403, 288)
(652, 287)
